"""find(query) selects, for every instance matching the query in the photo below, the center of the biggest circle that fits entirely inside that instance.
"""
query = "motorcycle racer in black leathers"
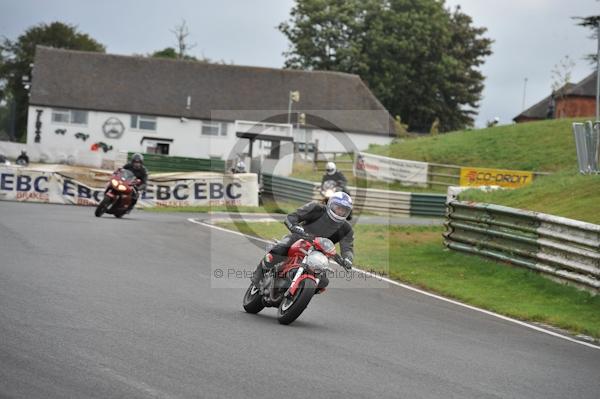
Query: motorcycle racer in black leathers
(319, 220)
(136, 165)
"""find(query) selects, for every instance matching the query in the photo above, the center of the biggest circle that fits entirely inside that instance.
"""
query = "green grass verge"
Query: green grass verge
(415, 255)
(534, 146)
(567, 194)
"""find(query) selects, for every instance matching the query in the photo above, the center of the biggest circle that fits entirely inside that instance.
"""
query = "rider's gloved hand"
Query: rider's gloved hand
(297, 229)
(347, 264)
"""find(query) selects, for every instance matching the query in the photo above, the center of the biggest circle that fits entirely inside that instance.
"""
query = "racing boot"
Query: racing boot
(265, 264)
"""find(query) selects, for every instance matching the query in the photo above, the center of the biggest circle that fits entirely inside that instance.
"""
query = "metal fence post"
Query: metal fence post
(587, 141)
(596, 149)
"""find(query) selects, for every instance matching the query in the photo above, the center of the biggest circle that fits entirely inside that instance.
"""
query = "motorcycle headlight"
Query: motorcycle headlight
(316, 261)
(122, 187)
(114, 182)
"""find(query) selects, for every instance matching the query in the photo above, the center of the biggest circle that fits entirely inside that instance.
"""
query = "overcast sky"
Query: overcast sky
(530, 36)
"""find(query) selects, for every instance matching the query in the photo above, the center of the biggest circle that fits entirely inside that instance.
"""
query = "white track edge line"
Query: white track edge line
(429, 294)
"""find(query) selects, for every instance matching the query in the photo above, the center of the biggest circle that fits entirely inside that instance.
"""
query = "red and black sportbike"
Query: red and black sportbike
(291, 285)
(118, 194)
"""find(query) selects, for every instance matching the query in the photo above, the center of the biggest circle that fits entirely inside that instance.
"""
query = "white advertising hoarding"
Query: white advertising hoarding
(390, 169)
(18, 184)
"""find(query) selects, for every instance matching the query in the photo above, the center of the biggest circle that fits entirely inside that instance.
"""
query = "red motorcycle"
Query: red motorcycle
(290, 286)
(118, 194)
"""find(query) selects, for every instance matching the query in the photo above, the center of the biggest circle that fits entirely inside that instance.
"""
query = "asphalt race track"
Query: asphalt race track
(107, 308)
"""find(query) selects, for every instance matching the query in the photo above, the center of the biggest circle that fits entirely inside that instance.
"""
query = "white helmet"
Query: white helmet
(330, 168)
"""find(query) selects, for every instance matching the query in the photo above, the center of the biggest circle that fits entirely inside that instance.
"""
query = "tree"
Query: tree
(167, 52)
(561, 77)
(591, 22)
(181, 33)
(16, 58)
(170, 52)
(420, 59)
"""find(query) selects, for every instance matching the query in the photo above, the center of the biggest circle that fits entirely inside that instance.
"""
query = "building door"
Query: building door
(162, 148)
(156, 146)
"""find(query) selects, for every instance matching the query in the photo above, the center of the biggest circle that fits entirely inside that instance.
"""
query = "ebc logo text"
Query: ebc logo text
(73, 189)
(25, 187)
(196, 191)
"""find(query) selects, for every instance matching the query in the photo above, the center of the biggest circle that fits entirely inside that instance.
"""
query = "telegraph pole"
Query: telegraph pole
(598, 76)
(524, 94)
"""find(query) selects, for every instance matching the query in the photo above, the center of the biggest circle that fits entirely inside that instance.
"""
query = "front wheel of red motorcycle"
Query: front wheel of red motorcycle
(253, 300)
(291, 308)
(102, 207)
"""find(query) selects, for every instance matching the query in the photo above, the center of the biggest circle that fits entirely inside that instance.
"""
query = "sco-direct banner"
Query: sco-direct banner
(494, 177)
(390, 169)
(17, 184)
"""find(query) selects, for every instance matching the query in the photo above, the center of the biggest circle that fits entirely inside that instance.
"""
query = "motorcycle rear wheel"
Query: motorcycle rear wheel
(253, 302)
(291, 308)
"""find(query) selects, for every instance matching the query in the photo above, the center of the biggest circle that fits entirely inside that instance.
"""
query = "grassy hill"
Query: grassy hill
(546, 146)
(567, 194)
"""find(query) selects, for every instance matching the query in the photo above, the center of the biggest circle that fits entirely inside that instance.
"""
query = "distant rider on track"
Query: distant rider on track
(332, 174)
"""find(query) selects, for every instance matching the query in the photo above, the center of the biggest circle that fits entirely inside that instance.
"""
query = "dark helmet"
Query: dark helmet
(137, 160)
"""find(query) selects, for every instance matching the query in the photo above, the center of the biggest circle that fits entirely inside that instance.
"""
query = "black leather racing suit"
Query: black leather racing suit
(142, 175)
(314, 219)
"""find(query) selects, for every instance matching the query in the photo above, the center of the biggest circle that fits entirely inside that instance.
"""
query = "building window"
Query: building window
(79, 117)
(306, 147)
(142, 122)
(214, 129)
(70, 116)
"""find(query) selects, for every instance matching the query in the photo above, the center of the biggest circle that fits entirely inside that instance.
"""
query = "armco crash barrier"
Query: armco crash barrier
(562, 248)
(171, 189)
(289, 188)
(372, 200)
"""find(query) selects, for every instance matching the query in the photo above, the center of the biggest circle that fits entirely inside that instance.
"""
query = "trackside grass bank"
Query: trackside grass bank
(546, 146)
(415, 255)
(567, 194)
